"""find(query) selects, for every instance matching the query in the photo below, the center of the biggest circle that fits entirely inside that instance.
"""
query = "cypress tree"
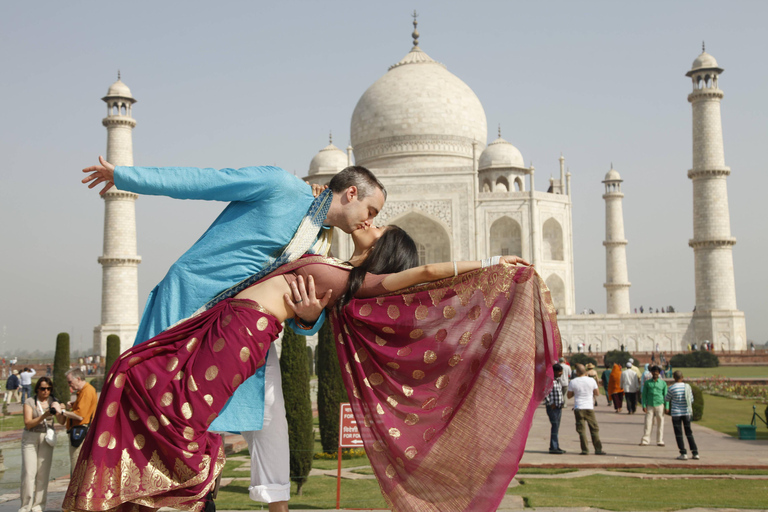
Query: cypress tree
(298, 407)
(113, 352)
(310, 360)
(330, 389)
(61, 367)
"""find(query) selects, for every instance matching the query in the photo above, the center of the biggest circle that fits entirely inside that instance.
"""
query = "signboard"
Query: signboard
(349, 435)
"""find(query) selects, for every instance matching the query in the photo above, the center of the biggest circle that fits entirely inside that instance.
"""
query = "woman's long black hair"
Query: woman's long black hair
(393, 252)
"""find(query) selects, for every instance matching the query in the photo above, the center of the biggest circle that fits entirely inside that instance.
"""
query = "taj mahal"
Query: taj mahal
(424, 133)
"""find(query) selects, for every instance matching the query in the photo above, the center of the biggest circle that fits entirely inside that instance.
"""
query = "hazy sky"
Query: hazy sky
(231, 84)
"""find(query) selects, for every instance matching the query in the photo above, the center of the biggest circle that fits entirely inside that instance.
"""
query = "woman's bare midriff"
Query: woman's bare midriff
(269, 295)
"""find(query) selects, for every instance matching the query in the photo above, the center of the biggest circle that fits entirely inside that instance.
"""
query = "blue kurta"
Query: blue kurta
(266, 207)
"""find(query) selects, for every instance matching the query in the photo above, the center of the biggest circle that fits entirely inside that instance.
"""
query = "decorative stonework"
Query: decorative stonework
(705, 94)
(708, 173)
(439, 209)
(726, 242)
(119, 262)
(414, 144)
(114, 194)
(118, 121)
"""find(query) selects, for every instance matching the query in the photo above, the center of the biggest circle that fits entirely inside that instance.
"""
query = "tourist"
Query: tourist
(605, 378)
(583, 390)
(26, 383)
(654, 404)
(36, 451)
(554, 404)
(614, 388)
(12, 387)
(78, 413)
(565, 378)
(631, 385)
(680, 398)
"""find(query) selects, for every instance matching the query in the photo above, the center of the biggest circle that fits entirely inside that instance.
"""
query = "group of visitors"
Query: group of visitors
(18, 386)
(41, 412)
(648, 388)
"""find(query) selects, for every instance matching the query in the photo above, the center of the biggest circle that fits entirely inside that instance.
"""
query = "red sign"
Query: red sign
(349, 436)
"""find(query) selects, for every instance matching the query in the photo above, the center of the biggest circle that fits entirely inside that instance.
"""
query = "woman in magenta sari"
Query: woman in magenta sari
(443, 378)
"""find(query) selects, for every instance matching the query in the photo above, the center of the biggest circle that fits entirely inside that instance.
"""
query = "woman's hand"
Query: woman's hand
(515, 260)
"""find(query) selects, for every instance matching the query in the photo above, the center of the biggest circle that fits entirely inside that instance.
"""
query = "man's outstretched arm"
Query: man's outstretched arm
(247, 184)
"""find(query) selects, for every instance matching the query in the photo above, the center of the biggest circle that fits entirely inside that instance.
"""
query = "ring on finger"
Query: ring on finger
(298, 301)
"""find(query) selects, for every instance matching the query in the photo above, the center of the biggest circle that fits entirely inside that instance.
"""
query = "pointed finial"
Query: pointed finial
(499, 130)
(415, 33)
(118, 75)
(611, 165)
(330, 136)
(703, 48)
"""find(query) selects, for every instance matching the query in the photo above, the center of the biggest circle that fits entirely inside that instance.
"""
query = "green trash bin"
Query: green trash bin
(747, 432)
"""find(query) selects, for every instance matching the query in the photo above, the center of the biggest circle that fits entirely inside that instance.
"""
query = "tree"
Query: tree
(330, 389)
(616, 356)
(698, 403)
(298, 407)
(113, 352)
(581, 359)
(61, 367)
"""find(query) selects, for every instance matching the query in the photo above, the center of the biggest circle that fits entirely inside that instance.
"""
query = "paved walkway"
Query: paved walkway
(620, 434)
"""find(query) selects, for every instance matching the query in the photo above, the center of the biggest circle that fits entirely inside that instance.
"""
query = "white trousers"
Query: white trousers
(654, 415)
(270, 464)
(36, 459)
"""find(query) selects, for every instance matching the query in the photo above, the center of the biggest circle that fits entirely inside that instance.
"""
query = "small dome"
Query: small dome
(613, 175)
(501, 153)
(119, 89)
(330, 159)
(704, 60)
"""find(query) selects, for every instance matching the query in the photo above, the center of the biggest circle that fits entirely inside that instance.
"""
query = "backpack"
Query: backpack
(12, 383)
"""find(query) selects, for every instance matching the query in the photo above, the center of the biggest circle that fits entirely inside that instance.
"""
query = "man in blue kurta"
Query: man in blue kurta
(272, 218)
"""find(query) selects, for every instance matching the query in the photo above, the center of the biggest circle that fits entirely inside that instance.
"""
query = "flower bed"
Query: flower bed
(725, 387)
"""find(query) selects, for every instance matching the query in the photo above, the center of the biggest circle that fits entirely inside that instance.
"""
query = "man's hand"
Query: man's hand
(318, 189)
(101, 173)
(645, 409)
(304, 302)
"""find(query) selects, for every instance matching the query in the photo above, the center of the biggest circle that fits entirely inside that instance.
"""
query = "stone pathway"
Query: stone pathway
(620, 435)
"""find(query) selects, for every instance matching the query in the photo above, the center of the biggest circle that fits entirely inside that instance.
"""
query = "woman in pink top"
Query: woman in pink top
(149, 445)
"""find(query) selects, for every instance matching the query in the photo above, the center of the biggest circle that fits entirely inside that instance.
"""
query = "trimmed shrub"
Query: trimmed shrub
(581, 359)
(61, 367)
(310, 361)
(698, 402)
(695, 359)
(330, 389)
(298, 407)
(616, 356)
(113, 352)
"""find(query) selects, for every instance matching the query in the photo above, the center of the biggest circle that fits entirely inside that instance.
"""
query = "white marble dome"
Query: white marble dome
(500, 153)
(613, 175)
(330, 159)
(417, 115)
(119, 89)
(704, 61)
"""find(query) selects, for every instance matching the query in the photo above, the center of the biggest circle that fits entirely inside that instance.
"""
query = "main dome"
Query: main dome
(417, 115)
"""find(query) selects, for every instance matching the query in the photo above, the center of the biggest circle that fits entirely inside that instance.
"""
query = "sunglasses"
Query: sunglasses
(41, 388)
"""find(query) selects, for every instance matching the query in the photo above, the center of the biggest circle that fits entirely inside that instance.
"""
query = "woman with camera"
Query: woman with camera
(37, 446)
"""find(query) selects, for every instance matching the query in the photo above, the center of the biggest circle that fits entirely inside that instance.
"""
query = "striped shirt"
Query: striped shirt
(555, 397)
(680, 397)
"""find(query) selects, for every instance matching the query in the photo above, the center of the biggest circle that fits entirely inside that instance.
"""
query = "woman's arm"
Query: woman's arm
(29, 421)
(437, 271)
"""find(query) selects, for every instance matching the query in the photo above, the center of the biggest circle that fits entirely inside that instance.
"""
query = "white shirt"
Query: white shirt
(26, 377)
(629, 381)
(583, 392)
(566, 376)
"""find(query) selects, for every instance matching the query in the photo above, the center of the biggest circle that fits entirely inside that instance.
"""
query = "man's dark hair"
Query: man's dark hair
(678, 375)
(394, 251)
(356, 176)
(557, 368)
(655, 368)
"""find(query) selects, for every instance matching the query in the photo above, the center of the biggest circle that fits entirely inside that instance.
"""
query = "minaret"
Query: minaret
(712, 241)
(119, 287)
(616, 277)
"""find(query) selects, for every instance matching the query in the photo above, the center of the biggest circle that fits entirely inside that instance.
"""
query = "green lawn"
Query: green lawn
(722, 414)
(636, 494)
(726, 371)
(692, 471)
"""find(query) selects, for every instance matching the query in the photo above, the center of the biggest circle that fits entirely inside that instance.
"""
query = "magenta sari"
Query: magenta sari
(148, 445)
(444, 379)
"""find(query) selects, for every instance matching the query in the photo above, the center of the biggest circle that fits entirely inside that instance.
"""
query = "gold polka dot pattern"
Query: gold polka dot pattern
(430, 357)
(164, 421)
(442, 381)
(361, 356)
(112, 409)
(189, 433)
(193, 447)
(134, 361)
(411, 419)
(407, 390)
(210, 373)
(464, 340)
(393, 365)
(211, 418)
(245, 353)
(388, 330)
(173, 363)
(449, 312)
(392, 401)
(474, 313)
(421, 312)
(486, 340)
(394, 433)
(447, 413)
(219, 345)
(153, 424)
(366, 310)
(120, 380)
(376, 379)
(429, 404)
(138, 442)
(416, 334)
(166, 399)
(208, 399)
(441, 335)
(496, 314)
(390, 471)
(411, 452)
(192, 344)
(226, 320)
(379, 409)
(262, 323)
(104, 439)
(393, 312)
(454, 360)
(178, 376)
(405, 351)
(418, 374)
(429, 434)
(132, 414)
(151, 381)
(237, 380)
(380, 341)
(186, 410)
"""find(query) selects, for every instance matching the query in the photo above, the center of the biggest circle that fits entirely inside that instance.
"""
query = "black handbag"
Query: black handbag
(77, 434)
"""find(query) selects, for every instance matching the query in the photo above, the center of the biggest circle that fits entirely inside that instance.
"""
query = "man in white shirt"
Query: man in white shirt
(630, 383)
(564, 379)
(26, 383)
(583, 390)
